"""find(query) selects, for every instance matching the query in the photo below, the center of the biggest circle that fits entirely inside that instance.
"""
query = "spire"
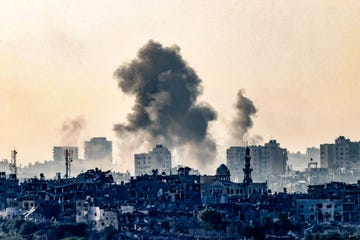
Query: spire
(247, 170)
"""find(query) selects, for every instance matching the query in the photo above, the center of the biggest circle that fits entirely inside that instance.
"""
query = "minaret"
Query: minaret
(68, 159)
(12, 165)
(247, 170)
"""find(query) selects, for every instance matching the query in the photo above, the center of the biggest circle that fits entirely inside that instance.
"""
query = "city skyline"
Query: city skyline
(296, 61)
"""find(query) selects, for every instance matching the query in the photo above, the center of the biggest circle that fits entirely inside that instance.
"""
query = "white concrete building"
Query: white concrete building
(95, 216)
(157, 159)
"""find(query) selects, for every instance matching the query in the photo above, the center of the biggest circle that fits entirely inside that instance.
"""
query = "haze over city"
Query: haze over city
(296, 61)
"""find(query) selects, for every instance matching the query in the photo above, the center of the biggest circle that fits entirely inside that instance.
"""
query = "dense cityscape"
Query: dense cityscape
(254, 195)
(203, 120)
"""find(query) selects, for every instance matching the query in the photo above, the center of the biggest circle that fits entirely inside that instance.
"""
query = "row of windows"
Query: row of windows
(312, 206)
(236, 191)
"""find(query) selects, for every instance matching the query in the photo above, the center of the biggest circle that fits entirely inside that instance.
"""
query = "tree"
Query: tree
(28, 228)
(109, 233)
(210, 218)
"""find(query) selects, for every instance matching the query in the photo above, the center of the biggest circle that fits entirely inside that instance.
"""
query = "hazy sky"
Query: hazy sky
(299, 62)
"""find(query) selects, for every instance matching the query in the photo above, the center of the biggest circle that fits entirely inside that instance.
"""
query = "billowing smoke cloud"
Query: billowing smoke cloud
(245, 110)
(165, 110)
(71, 130)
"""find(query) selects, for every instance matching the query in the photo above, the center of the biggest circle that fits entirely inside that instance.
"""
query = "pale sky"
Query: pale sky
(299, 62)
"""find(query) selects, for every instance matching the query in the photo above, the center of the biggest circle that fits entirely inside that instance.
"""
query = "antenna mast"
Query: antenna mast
(12, 165)
(68, 159)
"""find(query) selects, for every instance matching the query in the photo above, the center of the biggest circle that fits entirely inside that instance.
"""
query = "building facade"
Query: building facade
(157, 159)
(319, 210)
(342, 154)
(267, 160)
(98, 149)
(313, 153)
(235, 162)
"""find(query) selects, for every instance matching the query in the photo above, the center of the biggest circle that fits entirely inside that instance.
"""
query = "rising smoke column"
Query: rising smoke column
(165, 110)
(71, 130)
(245, 110)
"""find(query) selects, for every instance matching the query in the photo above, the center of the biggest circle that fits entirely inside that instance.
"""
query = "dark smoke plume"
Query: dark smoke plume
(165, 110)
(245, 110)
(71, 130)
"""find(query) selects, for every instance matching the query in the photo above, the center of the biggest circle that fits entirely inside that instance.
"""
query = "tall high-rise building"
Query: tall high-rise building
(276, 158)
(341, 154)
(98, 149)
(267, 160)
(59, 153)
(157, 159)
(235, 162)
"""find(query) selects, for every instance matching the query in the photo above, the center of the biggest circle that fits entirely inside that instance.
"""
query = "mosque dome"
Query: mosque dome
(222, 172)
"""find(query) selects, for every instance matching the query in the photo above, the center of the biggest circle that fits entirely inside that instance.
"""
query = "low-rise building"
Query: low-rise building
(319, 210)
(87, 212)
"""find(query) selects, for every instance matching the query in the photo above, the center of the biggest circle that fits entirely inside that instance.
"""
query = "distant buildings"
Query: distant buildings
(59, 153)
(157, 159)
(171, 205)
(313, 153)
(98, 149)
(219, 189)
(343, 154)
(298, 160)
(267, 160)
(178, 168)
